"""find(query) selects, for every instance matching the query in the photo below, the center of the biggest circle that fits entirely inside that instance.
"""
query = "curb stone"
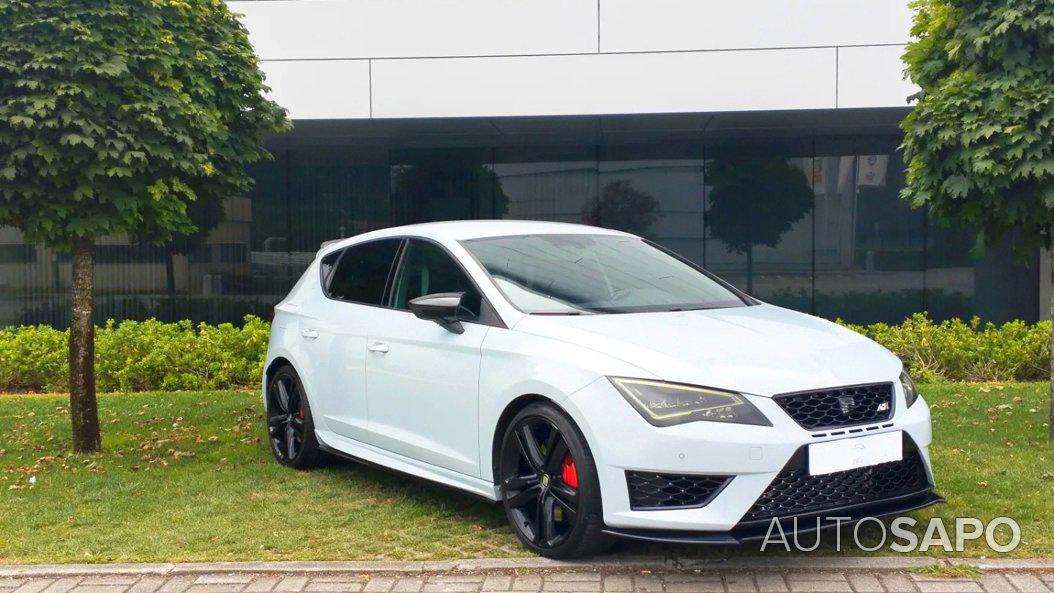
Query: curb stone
(628, 563)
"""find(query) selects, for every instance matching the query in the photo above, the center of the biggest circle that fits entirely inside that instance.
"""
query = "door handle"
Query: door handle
(378, 347)
(308, 334)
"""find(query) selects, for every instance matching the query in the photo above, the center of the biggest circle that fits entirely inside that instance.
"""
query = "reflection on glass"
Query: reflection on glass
(815, 226)
(869, 242)
(429, 186)
(545, 184)
(669, 181)
(622, 207)
(575, 274)
(996, 285)
(757, 207)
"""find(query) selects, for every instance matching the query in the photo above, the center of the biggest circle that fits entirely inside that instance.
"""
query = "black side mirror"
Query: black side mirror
(441, 307)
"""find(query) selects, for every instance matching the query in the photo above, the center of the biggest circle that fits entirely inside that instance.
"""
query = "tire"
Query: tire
(554, 510)
(289, 422)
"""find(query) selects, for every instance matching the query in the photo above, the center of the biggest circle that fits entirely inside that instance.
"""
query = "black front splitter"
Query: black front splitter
(752, 531)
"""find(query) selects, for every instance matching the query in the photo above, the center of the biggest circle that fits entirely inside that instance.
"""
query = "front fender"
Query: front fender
(515, 365)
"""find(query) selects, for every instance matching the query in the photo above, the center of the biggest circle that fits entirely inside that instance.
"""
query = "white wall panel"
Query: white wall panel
(301, 29)
(326, 89)
(872, 77)
(664, 25)
(605, 84)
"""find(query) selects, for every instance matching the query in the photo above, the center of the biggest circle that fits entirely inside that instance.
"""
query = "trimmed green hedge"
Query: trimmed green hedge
(959, 351)
(150, 355)
(139, 356)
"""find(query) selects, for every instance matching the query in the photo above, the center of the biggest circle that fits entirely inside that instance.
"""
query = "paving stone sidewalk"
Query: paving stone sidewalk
(526, 576)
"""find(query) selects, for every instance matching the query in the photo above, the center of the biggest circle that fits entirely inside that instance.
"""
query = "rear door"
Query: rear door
(354, 283)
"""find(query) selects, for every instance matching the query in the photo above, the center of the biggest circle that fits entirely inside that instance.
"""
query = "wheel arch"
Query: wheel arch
(272, 367)
(505, 418)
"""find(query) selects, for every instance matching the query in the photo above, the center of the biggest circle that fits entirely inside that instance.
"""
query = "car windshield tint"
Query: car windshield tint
(574, 274)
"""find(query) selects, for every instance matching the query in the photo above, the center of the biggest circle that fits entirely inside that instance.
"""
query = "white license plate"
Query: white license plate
(846, 454)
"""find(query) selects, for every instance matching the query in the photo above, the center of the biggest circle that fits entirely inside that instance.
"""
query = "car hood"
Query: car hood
(761, 350)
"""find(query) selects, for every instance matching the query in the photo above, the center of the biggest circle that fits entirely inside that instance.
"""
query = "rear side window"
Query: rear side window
(360, 273)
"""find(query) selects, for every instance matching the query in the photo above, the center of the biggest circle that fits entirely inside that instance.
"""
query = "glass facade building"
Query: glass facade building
(801, 210)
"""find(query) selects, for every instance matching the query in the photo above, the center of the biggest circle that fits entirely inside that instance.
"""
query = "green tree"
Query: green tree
(980, 142)
(754, 200)
(115, 115)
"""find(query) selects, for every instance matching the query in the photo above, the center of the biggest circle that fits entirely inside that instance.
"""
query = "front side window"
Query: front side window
(361, 271)
(576, 274)
(427, 269)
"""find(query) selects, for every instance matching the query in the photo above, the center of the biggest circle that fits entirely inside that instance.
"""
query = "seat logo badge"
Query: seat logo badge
(846, 403)
(882, 407)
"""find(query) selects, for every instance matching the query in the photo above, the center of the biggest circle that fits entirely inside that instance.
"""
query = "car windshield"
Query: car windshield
(578, 274)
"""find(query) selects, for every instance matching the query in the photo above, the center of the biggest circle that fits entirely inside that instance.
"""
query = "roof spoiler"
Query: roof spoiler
(328, 243)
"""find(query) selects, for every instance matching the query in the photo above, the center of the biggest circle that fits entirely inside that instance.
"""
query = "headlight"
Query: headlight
(666, 404)
(911, 393)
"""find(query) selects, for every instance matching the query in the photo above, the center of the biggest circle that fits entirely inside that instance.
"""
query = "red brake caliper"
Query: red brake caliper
(570, 473)
(300, 413)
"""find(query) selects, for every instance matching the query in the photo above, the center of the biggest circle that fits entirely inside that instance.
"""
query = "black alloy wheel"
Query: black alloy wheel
(290, 429)
(549, 485)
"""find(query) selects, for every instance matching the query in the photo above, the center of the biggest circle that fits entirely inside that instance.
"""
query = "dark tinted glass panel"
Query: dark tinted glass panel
(654, 191)
(759, 219)
(17, 254)
(572, 274)
(997, 286)
(200, 254)
(557, 184)
(427, 269)
(334, 193)
(869, 242)
(362, 272)
(433, 185)
(860, 253)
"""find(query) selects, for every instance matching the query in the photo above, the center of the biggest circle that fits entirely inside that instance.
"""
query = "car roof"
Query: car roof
(459, 230)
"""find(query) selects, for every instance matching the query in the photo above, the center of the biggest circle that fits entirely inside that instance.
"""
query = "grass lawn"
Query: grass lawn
(185, 477)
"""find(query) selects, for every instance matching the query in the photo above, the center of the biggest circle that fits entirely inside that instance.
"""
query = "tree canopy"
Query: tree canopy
(116, 114)
(980, 142)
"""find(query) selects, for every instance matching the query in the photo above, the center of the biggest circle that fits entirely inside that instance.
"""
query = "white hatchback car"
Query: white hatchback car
(594, 383)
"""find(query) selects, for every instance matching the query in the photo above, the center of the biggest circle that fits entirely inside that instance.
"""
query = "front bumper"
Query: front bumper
(754, 456)
(752, 531)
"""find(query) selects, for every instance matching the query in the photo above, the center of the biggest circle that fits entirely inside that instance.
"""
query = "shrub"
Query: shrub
(955, 350)
(151, 355)
(139, 356)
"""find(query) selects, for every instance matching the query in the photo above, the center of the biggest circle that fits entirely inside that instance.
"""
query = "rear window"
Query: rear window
(359, 273)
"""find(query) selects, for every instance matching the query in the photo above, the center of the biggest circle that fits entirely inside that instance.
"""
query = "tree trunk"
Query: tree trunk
(1050, 425)
(170, 270)
(84, 411)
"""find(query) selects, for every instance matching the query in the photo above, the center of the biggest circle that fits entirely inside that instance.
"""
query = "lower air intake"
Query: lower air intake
(648, 491)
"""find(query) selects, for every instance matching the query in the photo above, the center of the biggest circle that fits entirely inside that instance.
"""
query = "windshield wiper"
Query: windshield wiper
(557, 313)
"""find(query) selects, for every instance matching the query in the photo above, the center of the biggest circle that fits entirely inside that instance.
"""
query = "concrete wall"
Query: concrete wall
(340, 59)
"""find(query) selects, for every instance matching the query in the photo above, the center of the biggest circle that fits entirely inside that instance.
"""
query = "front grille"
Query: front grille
(842, 406)
(795, 492)
(648, 491)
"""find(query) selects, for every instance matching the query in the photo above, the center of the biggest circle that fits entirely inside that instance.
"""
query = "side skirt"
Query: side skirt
(346, 448)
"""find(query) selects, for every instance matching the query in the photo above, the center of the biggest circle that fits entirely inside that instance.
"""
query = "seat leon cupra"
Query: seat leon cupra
(593, 383)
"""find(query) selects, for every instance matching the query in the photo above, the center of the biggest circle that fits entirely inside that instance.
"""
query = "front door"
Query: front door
(423, 379)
